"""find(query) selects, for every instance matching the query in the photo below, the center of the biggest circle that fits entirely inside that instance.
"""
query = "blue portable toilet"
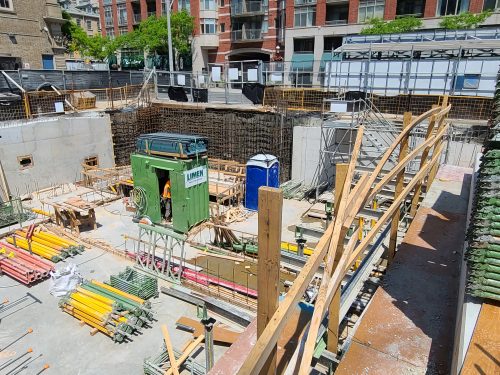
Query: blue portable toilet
(262, 170)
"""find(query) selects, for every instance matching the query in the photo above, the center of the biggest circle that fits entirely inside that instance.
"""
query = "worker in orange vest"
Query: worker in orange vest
(167, 200)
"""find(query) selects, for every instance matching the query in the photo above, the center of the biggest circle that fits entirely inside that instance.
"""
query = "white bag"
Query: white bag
(64, 280)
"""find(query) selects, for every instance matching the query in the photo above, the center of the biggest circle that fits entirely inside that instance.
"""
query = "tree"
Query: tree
(398, 25)
(76, 40)
(466, 20)
(151, 36)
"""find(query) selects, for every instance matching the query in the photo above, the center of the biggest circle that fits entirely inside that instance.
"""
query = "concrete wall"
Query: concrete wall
(57, 145)
(305, 154)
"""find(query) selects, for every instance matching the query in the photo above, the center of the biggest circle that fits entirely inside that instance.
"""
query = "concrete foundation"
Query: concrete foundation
(45, 152)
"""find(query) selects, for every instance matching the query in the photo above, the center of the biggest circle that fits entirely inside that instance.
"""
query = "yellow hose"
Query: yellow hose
(118, 291)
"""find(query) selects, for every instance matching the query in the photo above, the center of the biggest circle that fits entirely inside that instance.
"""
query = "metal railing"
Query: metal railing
(247, 7)
(246, 34)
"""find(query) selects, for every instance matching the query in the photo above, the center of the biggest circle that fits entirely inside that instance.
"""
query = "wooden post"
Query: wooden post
(403, 151)
(437, 146)
(425, 154)
(340, 176)
(334, 309)
(268, 266)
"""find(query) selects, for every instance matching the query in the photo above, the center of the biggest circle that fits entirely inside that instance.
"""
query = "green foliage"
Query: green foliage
(151, 36)
(466, 20)
(76, 40)
(398, 25)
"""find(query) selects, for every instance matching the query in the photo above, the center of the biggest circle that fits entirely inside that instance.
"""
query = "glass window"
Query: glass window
(370, 9)
(89, 25)
(208, 25)
(122, 14)
(222, 27)
(265, 24)
(304, 45)
(123, 30)
(6, 5)
(207, 4)
(185, 5)
(221, 3)
(448, 7)
(305, 16)
(108, 16)
(110, 32)
(79, 22)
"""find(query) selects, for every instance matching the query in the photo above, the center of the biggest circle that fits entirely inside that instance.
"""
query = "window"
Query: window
(304, 2)
(370, 9)
(265, 24)
(221, 3)
(331, 43)
(25, 161)
(467, 82)
(89, 25)
(122, 14)
(447, 7)
(185, 5)
(491, 4)
(337, 14)
(410, 8)
(79, 22)
(303, 45)
(111, 33)
(6, 5)
(222, 27)
(123, 30)
(207, 4)
(108, 16)
(208, 25)
(305, 16)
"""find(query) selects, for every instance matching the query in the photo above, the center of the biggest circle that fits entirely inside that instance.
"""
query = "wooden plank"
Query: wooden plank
(171, 357)
(186, 353)
(403, 151)
(220, 334)
(425, 154)
(340, 176)
(268, 266)
(484, 350)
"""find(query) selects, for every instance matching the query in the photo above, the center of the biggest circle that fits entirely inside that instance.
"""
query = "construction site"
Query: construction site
(311, 230)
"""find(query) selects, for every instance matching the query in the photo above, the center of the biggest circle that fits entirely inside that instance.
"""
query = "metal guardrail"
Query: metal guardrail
(247, 7)
(246, 34)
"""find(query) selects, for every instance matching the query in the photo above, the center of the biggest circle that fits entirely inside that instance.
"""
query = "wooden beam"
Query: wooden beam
(418, 188)
(170, 349)
(340, 176)
(268, 266)
(403, 151)
(191, 347)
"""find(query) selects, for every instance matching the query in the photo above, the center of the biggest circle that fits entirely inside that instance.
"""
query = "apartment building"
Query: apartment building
(316, 27)
(85, 13)
(30, 34)
(225, 30)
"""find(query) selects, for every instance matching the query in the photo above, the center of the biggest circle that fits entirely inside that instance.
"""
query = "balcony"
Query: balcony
(247, 35)
(248, 8)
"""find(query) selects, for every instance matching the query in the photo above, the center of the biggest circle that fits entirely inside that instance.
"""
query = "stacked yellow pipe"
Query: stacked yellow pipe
(55, 239)
(98, 312)
(292, 247)
(38, 249)
(62, 252)
(118, 291)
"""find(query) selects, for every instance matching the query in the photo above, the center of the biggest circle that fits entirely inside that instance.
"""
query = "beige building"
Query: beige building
(30, 34)
(84, 13)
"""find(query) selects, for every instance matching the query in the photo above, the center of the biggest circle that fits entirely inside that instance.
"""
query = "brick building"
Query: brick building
(225, 30)
(85, 13)
(301, 31)
(30, 34)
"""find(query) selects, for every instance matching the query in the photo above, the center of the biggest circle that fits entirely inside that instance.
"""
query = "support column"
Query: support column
(144, 9)
(403, 151)
(334, 309)
(390, 9)
(430, 9)
(320, 12)
(353, 11)
(268, 265)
